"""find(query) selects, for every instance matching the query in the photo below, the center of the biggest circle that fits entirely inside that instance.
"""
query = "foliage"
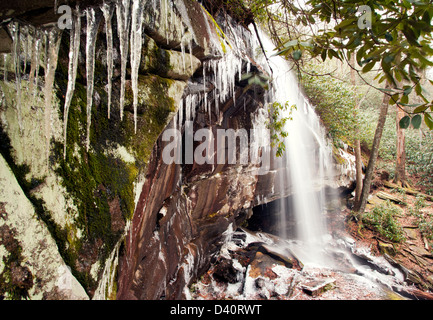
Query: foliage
(367, 119)
(334, 102)
(395, 39)
(419, 152)
(382, 219)
(424, 221)
(279, 115)
(256, 78)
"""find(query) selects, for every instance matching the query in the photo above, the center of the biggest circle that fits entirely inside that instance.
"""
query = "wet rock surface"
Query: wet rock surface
(353, 273)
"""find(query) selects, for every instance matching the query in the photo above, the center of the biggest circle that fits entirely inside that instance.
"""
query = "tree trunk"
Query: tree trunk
(357, 143)
(358, 166)
(400, 168)
(360, 207)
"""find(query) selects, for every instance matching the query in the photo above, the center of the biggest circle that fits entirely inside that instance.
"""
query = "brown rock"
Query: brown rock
(316, 287)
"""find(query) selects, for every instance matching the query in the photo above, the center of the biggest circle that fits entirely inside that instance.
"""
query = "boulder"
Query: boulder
(225, 272)
(37, 247)
(387, 248)
(316, 287)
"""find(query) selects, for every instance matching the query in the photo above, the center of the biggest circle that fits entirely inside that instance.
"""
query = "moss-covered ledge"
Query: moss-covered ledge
(101, 181)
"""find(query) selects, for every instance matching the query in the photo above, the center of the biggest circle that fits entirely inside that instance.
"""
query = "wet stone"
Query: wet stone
(316, 287)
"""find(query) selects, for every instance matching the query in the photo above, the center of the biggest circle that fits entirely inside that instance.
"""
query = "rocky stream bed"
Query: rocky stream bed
(357, 264)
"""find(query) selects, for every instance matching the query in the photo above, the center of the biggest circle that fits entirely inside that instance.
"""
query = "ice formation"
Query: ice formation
(136, 45)
(92, 28)
(123, 23)
(108, 10)
(74, 49)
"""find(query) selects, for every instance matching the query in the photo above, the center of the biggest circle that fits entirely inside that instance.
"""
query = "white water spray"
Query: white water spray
(307, 159)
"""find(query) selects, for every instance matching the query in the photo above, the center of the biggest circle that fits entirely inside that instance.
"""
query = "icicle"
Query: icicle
(74, 49)
(193, 107)
(46, 41)
(34, 70)
(17, 69)
(5, 61)
(180, 113)
(123, 22)
(190, 54)
(182, 49)
(204, 89)
(27, 41)
(108, 10)
(136, 45)
(167, 31)
(52, 49)
(92, 29)
(33, 45)
(188, 108)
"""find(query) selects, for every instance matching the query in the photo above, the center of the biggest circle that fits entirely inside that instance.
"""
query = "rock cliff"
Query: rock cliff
(115, 220)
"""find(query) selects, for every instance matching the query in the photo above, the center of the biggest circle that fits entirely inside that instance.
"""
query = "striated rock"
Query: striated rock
(386, 196)
(316, 287)
(386, 248)
(38, 247)
(5, 41)
(158, 97)
(177, 216)
(166, 63)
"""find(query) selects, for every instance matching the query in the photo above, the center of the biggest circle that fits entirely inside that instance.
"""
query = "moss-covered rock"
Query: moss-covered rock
(166, 63)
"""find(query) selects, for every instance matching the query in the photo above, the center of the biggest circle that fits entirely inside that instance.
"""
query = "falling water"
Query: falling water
(307, 159)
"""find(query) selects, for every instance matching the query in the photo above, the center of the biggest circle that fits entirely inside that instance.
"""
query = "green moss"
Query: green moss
(155, 107)
(154, 59)
(93, 179)
(9, 289)
(220, 32)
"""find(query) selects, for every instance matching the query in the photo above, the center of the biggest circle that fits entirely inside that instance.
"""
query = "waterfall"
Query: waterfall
(307, 159)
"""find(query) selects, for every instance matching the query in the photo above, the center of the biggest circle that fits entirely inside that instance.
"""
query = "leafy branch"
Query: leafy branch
(279, 114)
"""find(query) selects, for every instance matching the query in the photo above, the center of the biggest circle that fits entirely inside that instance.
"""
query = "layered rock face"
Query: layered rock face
(118, 221)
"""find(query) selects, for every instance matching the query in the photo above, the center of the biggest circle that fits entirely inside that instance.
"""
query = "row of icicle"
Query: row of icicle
(32, 41)
(45, 43)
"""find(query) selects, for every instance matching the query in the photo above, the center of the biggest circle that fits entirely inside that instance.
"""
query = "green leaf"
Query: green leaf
(246, 76)
(368, 66)
(323, 55)
(333, 54)
(281, 52)
(388, 59)
(421, 109)
(410, 35)
(407, 91)
(345, 23)
(394, 99)
(359, 56)
(388, 37)
(290, 44)
(297, 54)
(404, 122)
(428, 120)
(416, 121)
